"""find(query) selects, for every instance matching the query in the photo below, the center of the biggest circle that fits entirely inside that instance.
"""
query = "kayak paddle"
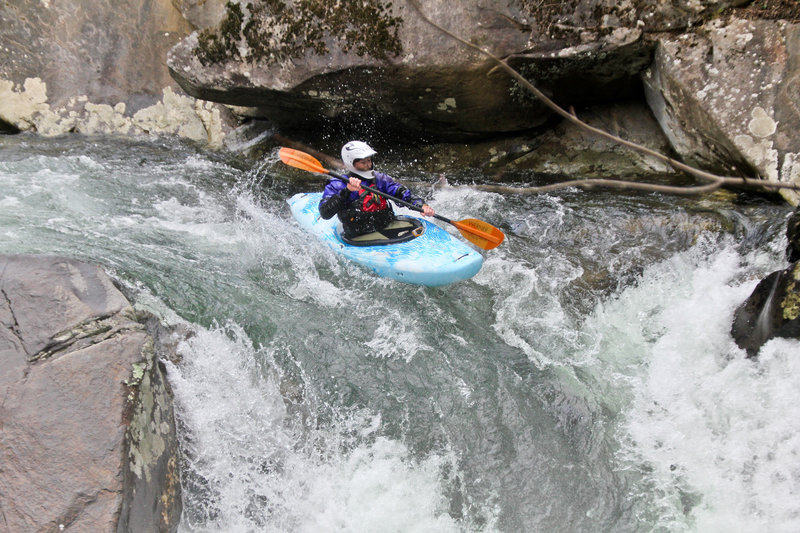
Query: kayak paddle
(480, 233)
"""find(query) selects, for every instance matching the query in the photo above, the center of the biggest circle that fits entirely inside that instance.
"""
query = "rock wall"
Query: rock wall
(726, 96)
(98, 67)
(88, 435)
(722, 89)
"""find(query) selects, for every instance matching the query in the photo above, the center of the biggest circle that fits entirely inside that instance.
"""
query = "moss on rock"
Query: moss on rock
(791, 302)
(273, 30)
(217, 45)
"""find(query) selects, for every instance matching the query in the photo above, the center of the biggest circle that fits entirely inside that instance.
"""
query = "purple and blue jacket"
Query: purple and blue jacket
(359, 212)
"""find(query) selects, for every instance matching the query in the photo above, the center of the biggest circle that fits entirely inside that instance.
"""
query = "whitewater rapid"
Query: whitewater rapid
(584, 380)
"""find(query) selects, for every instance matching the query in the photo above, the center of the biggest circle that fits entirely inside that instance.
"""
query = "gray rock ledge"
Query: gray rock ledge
(87, 432)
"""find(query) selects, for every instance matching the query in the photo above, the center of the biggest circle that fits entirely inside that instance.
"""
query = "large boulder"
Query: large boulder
(374, 66)
(88, 437)
(772, 310)
(726, 96)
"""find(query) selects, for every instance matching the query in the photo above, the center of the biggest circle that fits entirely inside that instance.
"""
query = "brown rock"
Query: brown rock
(87, 436)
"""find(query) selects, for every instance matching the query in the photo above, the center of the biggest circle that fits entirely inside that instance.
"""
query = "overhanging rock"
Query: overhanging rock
(421, 82)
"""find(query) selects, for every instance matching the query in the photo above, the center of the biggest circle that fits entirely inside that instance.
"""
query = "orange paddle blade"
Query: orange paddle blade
(480, 233)
(301, 160)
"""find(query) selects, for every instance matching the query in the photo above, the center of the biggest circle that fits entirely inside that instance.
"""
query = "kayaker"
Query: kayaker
(359, 210)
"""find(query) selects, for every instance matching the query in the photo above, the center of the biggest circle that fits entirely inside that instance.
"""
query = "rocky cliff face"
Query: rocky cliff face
(88, 434)
(98, 67)
(721, 88)
(725, 95)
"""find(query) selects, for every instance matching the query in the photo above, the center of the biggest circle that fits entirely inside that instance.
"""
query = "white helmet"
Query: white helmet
(357, 150)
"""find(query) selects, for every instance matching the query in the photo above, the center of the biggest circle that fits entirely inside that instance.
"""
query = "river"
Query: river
(584, 380)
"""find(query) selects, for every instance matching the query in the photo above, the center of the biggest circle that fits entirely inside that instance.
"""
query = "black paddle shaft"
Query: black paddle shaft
(389, 197)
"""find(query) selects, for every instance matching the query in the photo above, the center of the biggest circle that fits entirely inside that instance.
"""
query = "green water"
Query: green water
(584, 380)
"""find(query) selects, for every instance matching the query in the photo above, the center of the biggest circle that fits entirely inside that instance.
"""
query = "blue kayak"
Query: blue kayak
(430, 256)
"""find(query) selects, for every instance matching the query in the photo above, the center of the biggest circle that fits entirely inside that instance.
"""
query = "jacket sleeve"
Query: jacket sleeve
(333, 200)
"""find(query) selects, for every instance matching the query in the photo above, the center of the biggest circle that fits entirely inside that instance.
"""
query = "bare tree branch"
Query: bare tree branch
(636, 185)
(713, 181)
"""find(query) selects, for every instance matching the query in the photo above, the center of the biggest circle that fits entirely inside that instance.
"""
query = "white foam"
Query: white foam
(397, 336)
(713, 432)
(265, 470)
(279, 244)
(8, 202)
(528, 313)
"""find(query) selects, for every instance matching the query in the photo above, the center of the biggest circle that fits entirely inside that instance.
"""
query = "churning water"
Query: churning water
(585, 380)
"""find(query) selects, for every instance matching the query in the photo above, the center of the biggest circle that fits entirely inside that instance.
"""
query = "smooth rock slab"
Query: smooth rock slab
(87, 434)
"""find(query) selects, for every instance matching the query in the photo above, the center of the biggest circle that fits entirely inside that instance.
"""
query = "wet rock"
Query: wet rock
(88, 435)
(772, 310)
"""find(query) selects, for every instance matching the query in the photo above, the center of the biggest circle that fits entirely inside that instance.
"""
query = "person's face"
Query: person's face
(363, 164)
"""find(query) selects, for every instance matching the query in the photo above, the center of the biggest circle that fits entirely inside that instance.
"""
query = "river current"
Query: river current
(584, 380)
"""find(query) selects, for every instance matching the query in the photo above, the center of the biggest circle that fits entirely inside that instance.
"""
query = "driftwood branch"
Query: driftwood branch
(712, 181)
